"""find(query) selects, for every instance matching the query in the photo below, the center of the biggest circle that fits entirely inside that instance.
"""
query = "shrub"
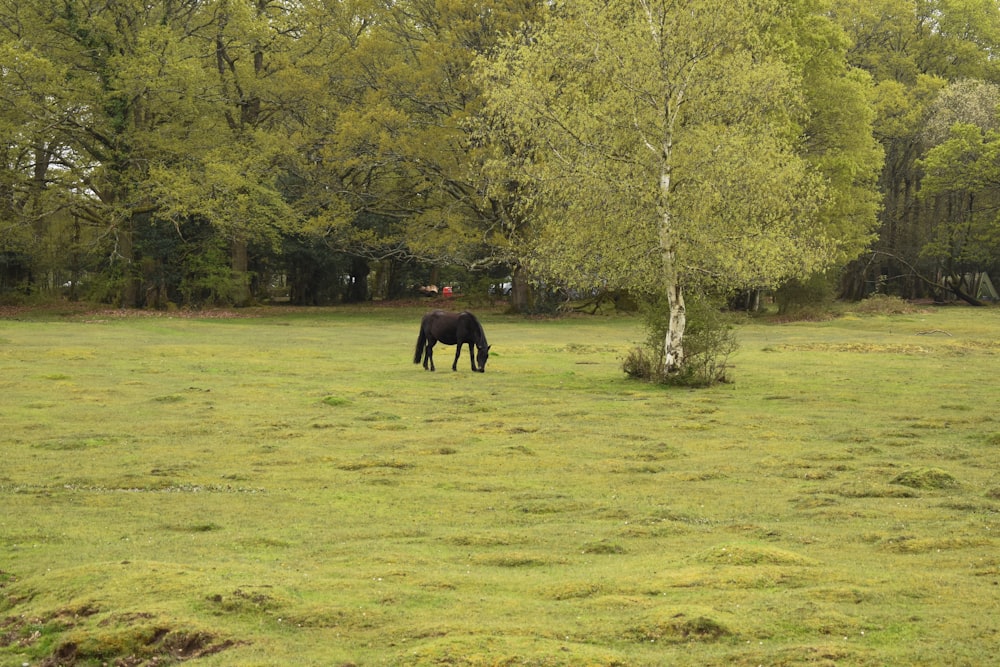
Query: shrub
(883, 304)
(807, 297)
(708, 343)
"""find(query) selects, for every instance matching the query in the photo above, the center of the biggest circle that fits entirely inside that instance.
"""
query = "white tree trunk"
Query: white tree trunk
(673, 345)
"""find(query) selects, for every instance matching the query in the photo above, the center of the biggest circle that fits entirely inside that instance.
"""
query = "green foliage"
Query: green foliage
(884, 304)
(710, 340)
(932, 64)
(731, 144)
(926, 478)
(961, 175)
(815, 294)
(207, 277)
(685, 147)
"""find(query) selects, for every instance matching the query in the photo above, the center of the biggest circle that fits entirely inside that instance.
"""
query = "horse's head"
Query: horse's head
(482, 354)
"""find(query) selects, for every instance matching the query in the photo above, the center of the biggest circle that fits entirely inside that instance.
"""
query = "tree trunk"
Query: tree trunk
(240, 264)
(382, 282)
(131, 285)
(673, 345)
(520, 293)
(357, 290)
(957, 284)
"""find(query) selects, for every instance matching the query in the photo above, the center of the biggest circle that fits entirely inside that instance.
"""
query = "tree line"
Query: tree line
(211, 151)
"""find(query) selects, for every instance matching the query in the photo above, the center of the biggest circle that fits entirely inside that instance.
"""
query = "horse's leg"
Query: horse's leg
(429, 355)
(458, 351)
(472, 357)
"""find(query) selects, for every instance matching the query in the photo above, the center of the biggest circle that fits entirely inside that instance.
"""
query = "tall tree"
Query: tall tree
(668, 150)
(963, 181)
(118, 89)
(913, 49)
(260, 60)
(403, 149)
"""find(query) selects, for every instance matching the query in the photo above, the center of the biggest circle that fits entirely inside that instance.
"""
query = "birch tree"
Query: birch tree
(668, 148)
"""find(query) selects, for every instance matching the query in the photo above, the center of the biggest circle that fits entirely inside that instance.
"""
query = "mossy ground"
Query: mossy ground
(290, 488)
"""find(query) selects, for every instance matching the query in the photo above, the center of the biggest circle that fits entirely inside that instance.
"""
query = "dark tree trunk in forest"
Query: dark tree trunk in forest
(131, 283)
(357, 290)
(239, 264)
(520, 291)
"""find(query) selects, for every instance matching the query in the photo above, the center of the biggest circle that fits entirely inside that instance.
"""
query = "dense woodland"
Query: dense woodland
(193, 152)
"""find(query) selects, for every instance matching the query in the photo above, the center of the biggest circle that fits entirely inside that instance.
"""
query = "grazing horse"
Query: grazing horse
(451, 329)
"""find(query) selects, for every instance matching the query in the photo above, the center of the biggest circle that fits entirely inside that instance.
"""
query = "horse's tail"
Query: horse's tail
(421, 341)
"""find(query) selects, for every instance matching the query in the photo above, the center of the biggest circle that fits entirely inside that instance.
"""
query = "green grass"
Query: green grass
(290, 488)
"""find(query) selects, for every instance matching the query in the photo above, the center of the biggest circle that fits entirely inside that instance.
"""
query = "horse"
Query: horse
(451, 329)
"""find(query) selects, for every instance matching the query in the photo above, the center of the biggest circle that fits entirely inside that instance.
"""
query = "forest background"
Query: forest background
(207, 152)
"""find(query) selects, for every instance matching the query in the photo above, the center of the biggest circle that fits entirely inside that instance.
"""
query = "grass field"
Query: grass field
(289, 488)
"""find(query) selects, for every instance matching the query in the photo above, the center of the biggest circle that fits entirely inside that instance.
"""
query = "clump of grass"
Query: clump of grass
(907, 544)
(193, 527)
(884, 304)
(143, 643)
(750, 554)
(514, 559)
(679, 628)
(169, 398)
(926, 478)
(240, 601)
(379, 416)
(576, 591)
(375, 463)
(335, 400)
(864, 489)
(603, 548)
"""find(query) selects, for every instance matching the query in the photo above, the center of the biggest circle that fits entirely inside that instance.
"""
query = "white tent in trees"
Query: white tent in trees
(979, 287)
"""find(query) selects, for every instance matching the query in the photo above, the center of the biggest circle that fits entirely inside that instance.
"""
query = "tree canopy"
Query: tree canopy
(686, 144)
(205, 150)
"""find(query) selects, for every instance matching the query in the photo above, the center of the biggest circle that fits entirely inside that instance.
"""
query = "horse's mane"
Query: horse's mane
(481, 336)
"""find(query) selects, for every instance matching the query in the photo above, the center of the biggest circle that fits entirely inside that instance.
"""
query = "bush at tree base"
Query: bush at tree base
(708, 342)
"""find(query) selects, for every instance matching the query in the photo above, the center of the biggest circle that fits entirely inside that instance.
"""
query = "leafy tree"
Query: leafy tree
(261, 60)
(913, 49)
(401, 146)
(963, 178)
(112, 89)
(668, 151)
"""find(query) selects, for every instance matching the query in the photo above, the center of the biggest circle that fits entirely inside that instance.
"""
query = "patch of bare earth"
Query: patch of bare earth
(140, 644)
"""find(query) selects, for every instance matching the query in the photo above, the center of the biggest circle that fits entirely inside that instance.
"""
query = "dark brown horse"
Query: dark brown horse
(440, 326)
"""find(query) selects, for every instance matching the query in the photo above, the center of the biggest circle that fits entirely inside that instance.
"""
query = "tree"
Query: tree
(403, 146)
(263, 74)
(84, 119)
(913, 49)
(117, 91)
(963, 177)
(667, 145)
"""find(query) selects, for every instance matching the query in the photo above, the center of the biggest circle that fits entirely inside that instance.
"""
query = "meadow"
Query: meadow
(287, 487)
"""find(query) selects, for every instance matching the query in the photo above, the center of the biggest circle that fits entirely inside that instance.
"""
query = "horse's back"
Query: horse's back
(450, 327)
(432, 316)
(440, 325)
